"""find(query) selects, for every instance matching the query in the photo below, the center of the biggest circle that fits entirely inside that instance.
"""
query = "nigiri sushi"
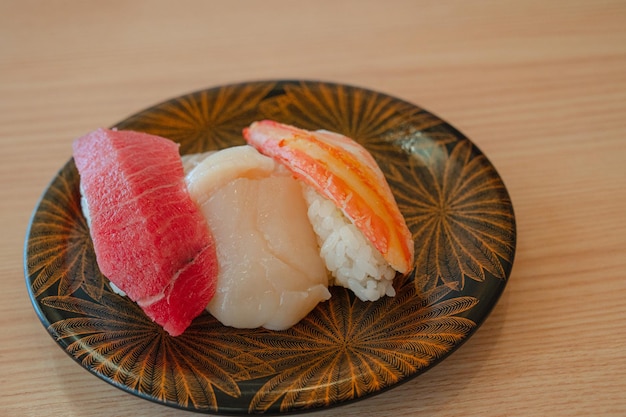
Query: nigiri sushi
(271, 274)
(363, 236)
(254, 234)
(150, 239)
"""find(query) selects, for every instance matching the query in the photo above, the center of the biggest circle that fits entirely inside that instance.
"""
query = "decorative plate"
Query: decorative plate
(455, 204)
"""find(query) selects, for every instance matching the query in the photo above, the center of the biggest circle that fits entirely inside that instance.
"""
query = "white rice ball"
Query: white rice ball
(349, 256)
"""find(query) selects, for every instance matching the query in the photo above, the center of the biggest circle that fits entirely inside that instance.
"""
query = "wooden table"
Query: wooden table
(539, 86)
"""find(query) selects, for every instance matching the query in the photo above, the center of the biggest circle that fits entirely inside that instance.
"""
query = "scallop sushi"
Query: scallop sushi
(271, 274)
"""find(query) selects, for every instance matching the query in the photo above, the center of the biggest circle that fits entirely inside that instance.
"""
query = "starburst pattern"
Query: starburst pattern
(114, 339)
(373, 119)
(459, 212)
(59, 251)
(347, 348)
(206, 120)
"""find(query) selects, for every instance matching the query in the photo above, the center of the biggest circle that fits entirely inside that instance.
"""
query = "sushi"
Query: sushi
(282, 218)
(150, 239)
(363, 237)
(271, 274)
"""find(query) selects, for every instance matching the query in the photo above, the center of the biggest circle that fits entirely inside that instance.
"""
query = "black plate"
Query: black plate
(455, 204)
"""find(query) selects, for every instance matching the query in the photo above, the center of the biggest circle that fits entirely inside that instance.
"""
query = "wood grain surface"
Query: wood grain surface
(539, 86)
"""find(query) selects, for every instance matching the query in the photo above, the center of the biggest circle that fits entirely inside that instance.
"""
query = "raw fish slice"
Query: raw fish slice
(271, 273)
(150, 239)
(219, 168)
(343, 171)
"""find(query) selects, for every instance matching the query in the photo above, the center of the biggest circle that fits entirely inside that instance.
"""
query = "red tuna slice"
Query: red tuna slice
(149, 237)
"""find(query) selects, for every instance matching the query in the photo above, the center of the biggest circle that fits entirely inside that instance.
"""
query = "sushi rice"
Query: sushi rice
(349, 256)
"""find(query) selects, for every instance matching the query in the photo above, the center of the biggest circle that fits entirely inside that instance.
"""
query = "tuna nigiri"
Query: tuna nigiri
(150, 239)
